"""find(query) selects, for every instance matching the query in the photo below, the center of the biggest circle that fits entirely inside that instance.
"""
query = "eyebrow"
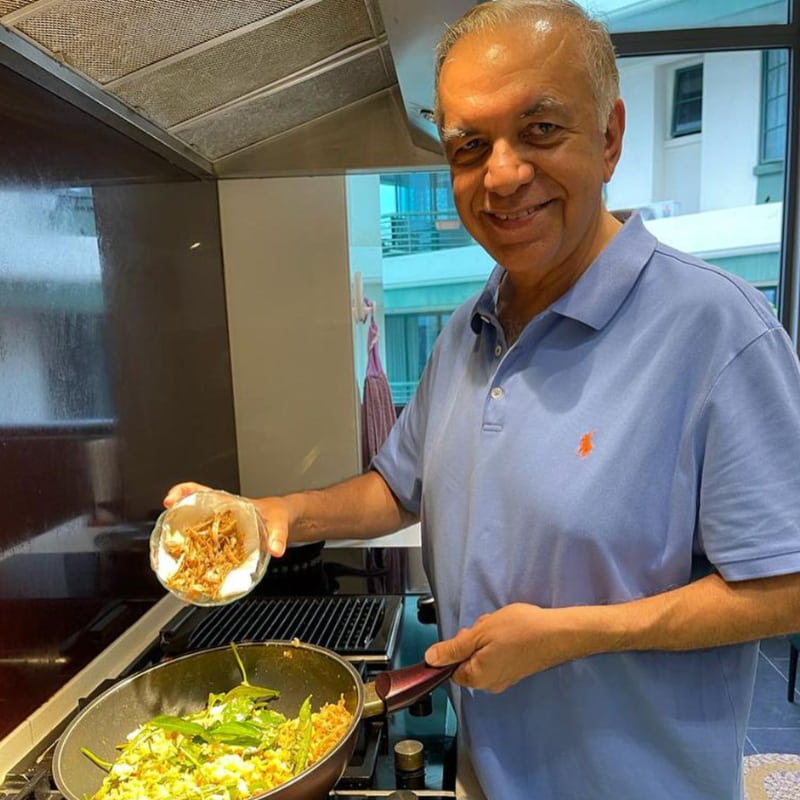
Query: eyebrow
(546, 104)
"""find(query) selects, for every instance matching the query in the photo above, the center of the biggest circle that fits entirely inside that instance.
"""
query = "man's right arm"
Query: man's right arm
(361, 507)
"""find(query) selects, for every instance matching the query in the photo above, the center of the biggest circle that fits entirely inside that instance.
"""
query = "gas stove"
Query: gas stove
(374, 631)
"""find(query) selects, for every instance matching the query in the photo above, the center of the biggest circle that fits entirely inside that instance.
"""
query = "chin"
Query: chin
(520, 257)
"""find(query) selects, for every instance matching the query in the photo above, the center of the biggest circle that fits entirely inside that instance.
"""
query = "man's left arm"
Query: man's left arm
(521, 639)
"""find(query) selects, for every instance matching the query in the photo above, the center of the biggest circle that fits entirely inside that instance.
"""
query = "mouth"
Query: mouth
(512, 216)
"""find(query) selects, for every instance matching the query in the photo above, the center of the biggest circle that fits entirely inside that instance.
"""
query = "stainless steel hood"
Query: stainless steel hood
(255, 87)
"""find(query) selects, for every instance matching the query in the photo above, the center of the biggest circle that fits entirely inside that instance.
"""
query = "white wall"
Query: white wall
(632, 184)
(731, 125)
(285, 249)
(680, 179)
(702, 172)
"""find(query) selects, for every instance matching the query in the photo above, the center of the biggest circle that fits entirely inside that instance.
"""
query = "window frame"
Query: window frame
(766, 98)
(678, 130)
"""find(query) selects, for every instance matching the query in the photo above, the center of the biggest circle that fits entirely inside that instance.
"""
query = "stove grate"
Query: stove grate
(360, 627)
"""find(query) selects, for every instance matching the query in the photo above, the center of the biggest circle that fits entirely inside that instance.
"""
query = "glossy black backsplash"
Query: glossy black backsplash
(115, 378)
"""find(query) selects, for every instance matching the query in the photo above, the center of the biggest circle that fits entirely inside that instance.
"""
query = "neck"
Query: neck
(521, 297)
(512, 312)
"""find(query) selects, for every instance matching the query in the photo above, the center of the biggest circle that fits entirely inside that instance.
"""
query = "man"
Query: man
(602, 451)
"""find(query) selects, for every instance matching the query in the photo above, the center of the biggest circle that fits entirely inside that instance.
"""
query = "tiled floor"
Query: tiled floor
(774, 721)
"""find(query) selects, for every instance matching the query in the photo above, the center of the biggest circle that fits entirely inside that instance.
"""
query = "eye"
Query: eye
(468, 151)
(540, 130)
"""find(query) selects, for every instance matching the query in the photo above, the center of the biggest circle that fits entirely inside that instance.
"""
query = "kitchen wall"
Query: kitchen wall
(285, 247)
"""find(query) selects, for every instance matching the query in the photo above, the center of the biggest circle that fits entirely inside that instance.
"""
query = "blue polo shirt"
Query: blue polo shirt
(645, 425)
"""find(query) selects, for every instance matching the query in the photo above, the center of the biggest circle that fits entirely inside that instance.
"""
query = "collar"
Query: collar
(599, 292)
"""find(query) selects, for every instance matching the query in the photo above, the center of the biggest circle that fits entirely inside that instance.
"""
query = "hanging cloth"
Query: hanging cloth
(377, 409)
(386, 565)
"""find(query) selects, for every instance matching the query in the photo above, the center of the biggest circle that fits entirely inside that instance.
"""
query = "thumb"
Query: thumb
(451, 651)
(277, 538)
(276, 524)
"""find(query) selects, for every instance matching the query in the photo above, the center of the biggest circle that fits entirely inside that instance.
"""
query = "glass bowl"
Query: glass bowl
(210, 548)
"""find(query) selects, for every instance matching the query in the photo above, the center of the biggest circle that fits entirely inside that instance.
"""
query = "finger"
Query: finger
(181, 490)
(473, 675)
(462, 676)
(451, 651)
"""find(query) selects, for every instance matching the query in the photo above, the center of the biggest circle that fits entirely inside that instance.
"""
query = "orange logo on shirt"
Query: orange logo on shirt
(586, 445)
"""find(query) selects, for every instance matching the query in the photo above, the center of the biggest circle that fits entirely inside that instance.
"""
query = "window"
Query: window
(417, 264)
(774, 105)
(687, 101)
(409, 342)
(418, 214)
(703, 197)
(635, 15)
(771, 295)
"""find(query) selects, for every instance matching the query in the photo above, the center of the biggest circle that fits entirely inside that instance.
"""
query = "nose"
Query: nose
(506, 170)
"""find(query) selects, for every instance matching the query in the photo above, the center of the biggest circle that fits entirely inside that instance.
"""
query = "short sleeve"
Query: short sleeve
(748, 440)
(399, 461)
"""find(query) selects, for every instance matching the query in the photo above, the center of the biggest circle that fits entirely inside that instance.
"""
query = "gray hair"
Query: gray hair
(601, 64)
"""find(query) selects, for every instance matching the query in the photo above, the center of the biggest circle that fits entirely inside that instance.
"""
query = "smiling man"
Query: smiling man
(608, 524)
(530, 148)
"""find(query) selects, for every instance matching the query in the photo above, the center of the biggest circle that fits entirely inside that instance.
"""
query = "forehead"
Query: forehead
(506, 69)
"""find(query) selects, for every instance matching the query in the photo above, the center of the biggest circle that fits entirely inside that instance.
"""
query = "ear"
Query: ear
(613, 139)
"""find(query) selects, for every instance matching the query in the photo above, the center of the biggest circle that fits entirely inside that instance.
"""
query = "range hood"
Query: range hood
(253, 87)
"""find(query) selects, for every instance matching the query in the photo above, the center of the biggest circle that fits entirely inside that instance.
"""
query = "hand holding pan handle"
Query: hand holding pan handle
(399, 688)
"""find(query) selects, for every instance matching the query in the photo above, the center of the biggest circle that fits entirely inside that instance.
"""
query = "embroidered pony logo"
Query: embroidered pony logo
(586, 444)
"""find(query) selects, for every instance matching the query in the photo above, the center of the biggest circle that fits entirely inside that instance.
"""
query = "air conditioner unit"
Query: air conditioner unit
(659, 209)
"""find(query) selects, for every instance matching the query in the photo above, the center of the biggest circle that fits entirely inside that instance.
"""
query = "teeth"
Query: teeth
(519, 214)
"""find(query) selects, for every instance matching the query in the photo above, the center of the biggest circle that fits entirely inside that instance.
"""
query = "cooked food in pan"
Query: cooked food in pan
(234, 748)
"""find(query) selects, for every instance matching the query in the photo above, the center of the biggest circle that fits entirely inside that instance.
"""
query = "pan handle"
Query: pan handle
(400, 688)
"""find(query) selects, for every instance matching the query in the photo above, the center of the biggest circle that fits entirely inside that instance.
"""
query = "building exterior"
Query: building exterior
(703, 163)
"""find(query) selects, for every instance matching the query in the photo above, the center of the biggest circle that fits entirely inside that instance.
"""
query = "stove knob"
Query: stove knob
(409, 756)
(409, 765)
(426, 609)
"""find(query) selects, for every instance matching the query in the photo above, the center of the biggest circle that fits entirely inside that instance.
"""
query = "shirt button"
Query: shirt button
(498, 350)
(497, 393)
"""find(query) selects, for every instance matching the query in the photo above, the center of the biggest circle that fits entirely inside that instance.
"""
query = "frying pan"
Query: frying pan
(182, 686)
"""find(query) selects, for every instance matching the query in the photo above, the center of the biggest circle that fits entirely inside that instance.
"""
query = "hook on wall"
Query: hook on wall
(361, 305)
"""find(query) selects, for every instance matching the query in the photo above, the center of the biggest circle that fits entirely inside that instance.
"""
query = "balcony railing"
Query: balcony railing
(402, 391)
(412, 232)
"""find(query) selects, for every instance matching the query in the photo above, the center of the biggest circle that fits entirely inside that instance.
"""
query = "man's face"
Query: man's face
(527, 157)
